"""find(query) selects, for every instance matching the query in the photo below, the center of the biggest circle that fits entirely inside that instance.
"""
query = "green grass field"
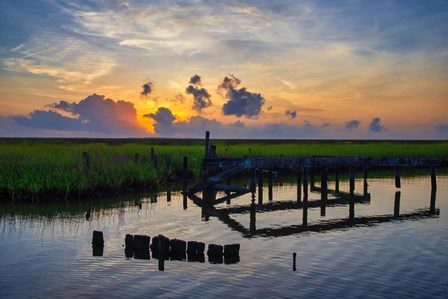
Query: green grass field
(39, 168)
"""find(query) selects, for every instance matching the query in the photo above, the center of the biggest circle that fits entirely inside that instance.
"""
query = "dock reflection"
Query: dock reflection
(338, 198)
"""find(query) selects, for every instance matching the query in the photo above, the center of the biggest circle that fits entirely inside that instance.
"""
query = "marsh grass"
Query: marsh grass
(39, 168)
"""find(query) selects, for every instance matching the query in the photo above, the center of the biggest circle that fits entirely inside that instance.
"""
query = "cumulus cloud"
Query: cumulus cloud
(147, 88)
(352, 124)
(240, 101)
(375, 125)
(164, 119)
(291, 113)
(201, 97)
(195, 80)
(95, 113)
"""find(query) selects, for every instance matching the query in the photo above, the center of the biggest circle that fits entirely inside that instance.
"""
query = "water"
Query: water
(375, 256)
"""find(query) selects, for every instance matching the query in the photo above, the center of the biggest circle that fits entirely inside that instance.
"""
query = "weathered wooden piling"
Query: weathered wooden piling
(141, 242)
(178, 246)
(397, 204)
(270, 195)
(397, 177)
(129, 241)
(160, 245)
(433, 178)
(231, 250)
(97, 240)
(86, 157)
(168, 195)
(215, 254)
(207, 141)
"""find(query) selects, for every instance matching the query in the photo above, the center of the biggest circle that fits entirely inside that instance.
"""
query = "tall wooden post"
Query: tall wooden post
(207, 141)
(270, 195)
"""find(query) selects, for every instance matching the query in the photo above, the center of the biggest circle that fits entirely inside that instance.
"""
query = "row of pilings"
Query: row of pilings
(165, 249)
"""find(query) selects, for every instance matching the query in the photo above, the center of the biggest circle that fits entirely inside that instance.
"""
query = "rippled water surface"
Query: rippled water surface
(385, 245)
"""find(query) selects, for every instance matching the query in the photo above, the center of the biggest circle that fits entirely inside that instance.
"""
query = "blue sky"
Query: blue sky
(306, 68)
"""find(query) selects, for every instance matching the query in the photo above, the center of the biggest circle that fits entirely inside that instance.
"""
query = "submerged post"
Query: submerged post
(397, 177)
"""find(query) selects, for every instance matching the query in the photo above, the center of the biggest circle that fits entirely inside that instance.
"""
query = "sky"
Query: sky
(241, 69)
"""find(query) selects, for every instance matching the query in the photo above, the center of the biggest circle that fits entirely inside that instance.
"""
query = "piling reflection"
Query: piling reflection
(338, 198)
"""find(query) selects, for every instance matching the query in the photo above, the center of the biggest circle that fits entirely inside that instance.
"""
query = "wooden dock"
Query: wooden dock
(224, 168)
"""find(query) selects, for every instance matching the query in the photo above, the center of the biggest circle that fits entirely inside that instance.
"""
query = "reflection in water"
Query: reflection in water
(208, 202)
(50, 242)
